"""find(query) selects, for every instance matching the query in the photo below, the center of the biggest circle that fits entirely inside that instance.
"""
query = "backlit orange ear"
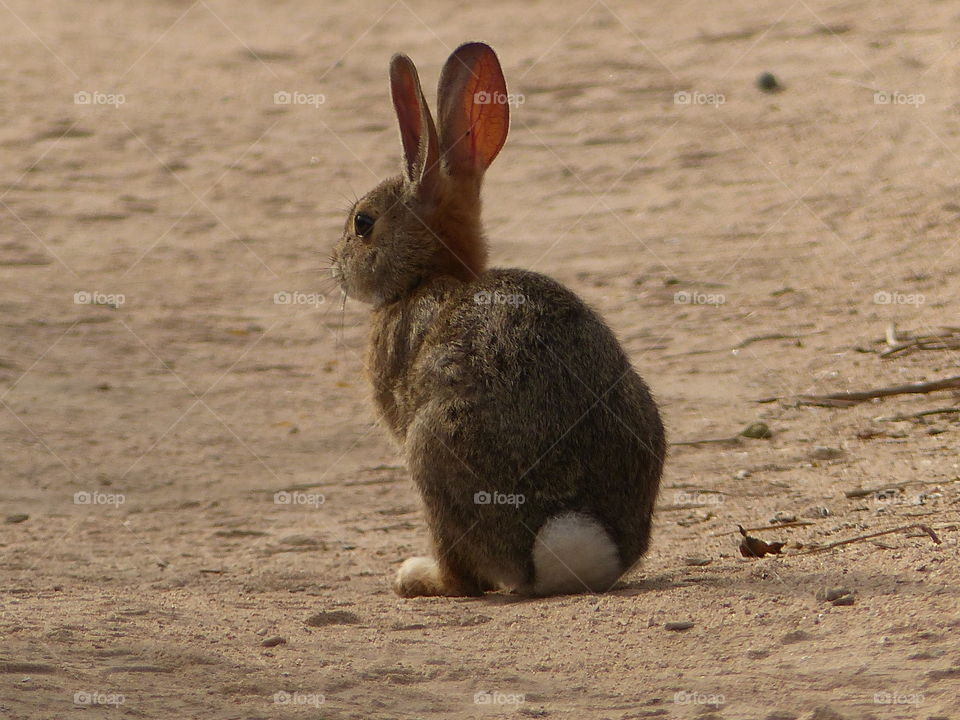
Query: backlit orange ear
(472, 110)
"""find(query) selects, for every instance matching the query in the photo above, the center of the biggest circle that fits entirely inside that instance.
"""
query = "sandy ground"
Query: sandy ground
(156, 397)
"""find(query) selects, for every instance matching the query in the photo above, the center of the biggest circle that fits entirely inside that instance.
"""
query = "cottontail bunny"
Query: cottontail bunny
(535, 446)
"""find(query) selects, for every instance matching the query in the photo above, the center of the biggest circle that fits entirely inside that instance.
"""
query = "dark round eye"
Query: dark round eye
(363, 224)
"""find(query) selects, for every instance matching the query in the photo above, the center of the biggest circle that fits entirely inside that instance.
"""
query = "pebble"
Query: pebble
(781, 516)
(794, 637)
(14, 519)
(768, 82)
(697, 561)
(829, 594)
(817, 511)
(333, 617)
(845, 600)
(821, 452)
(274, 641)
(678, 626)
(757, 431)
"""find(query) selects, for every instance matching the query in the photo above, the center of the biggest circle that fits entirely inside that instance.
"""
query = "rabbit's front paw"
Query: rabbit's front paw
(418, 576)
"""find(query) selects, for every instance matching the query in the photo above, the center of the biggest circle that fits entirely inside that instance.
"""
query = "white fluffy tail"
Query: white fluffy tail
(573, 553)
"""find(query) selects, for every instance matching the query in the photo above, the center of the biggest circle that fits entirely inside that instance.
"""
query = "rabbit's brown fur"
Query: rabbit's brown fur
(492, 381)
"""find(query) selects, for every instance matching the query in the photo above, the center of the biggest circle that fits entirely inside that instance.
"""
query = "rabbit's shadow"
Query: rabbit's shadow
(621, 589)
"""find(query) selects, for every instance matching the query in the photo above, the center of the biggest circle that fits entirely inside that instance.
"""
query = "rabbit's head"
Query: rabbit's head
(425, 223)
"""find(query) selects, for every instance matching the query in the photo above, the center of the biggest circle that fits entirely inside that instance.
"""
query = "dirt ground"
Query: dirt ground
(172, 356)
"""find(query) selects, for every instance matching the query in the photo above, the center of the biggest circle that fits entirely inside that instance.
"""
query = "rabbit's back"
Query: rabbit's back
(516, 392)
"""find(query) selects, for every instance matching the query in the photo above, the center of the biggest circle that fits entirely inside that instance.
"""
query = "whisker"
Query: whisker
(323, 269)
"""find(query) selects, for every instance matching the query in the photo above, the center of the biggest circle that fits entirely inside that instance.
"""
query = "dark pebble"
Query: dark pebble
(768, 82)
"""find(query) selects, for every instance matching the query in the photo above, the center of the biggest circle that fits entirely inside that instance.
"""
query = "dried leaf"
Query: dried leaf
(757, 548)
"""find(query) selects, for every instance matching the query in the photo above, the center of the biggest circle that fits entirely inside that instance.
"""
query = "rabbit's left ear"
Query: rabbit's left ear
(421, 168)
(472, 110)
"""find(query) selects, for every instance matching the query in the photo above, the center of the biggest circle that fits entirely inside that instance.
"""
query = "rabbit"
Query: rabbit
(536, 448)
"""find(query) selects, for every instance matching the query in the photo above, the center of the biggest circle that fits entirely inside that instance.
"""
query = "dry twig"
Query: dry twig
(920, 526)
(853, 397)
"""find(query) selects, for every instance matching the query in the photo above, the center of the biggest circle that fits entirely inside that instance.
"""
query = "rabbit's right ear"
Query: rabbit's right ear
(472, 110)
(421, 168)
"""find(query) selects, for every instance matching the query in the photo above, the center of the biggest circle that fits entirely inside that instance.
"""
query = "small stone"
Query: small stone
(845, 600)
(817, 511)
(758, 654)
(274, 641)
(757, 431)
(768, 83)
(794, 637)
(678, 626)
(17, 518)
(781, 517)
(829, 594)
(931, 654)
(821, 452)
(697, 561)
(742, 474)
(333, 617)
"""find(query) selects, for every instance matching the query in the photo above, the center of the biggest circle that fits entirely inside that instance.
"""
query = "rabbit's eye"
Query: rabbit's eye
(363, 224)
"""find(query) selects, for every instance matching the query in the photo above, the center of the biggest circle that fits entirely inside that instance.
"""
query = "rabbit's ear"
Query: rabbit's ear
(472, 110)
(417, 131)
